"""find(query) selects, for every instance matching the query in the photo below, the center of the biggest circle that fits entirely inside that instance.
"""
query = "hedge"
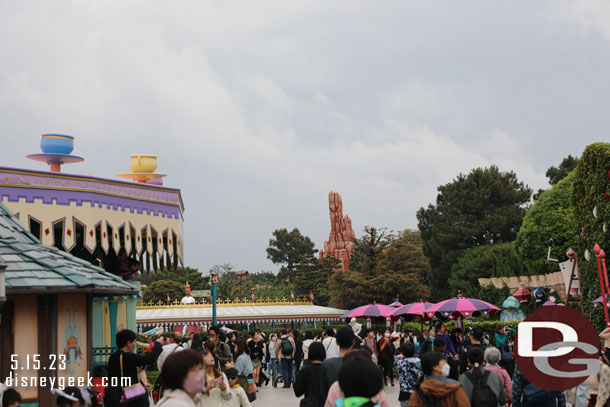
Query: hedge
(591, 200)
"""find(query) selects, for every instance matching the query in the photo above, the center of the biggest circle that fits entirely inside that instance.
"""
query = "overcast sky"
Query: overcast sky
(257, 109)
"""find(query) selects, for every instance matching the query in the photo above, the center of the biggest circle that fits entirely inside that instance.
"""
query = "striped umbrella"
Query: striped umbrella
(599, 300)
(461, 307)
(415, 308)
(372, 310)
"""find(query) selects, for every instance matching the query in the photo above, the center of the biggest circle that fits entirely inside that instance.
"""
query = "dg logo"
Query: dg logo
(557, 348)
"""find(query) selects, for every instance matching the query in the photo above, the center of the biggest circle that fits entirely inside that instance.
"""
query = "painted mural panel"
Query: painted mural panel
(72, 334)
(26, 342)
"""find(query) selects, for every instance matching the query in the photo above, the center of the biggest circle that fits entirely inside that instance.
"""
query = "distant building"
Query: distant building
(242, 275)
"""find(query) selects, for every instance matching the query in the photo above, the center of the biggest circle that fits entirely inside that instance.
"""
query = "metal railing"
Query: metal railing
(101, 355)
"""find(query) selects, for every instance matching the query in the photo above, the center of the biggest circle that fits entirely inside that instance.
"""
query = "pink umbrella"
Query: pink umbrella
(461, 307)
(372, 310)
(548, 303)
(415, 308)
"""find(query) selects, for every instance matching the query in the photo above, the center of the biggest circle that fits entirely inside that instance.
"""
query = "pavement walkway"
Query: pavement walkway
(279, 397)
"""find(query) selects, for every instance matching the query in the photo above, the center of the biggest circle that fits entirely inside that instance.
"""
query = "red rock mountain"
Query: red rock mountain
(339, 243)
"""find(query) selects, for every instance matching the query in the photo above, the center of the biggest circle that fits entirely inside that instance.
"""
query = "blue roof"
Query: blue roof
(34, 267)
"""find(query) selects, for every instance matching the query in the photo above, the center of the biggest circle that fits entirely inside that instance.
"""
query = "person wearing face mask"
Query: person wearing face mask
(183, 379)
(386, 357)
(435, 385)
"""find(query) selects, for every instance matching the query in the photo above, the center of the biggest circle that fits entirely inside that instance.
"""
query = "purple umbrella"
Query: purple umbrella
(372, 310)
(548, 303)
(598, 300)
(396, 304)
(465, 307)
(415, 308)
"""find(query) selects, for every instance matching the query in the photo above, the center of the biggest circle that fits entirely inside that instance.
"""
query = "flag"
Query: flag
(253, 297)
(292, 295)
(311, 297)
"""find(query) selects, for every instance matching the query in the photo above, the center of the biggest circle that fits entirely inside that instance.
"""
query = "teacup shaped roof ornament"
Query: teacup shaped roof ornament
(143, 168)
(56, 151)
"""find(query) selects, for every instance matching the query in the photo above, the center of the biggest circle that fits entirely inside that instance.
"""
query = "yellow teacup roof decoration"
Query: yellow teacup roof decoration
(143, 168)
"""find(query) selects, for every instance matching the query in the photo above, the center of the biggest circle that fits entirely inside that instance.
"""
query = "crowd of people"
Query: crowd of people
(458, 368)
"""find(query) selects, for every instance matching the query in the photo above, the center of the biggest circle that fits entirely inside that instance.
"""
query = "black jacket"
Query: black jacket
(131, 363)
(256, 350)
(309, 382)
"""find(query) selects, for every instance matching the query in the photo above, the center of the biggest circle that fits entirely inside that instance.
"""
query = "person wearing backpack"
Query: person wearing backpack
(526, 394)
(483, 387)
(284, 352)
(434, 388)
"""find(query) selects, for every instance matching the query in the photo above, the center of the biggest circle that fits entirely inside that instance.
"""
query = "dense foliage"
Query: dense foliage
(161, 289)
(592, 214)
(383, 266)
(551, 217)
(498, 260)
(288, 249)
(484, 207)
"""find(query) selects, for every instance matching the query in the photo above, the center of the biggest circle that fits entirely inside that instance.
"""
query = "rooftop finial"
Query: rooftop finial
(56, 149)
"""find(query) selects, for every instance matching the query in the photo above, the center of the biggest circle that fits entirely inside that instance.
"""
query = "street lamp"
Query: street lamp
(214, 295)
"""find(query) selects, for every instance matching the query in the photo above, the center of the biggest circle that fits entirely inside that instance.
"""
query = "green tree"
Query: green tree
(369, 249)
(313, 276)
(383, 265)
(551, 217)
(288, 249)
(497, 260)
(556, 174)
(159, 290)
(196, 280)
(484, 207)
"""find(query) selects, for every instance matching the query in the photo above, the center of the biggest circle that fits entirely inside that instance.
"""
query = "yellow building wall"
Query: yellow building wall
(121, 318)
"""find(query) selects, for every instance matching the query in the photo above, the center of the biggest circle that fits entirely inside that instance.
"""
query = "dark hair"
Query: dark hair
(222, 337)
(215, 329)
(429, 360)
(205, 352)
(177, 366)
(477, 333)
(295, 333)
(124, 336)
(10, 396)
(368, 330)
(317, 351)
(210, 346)
(360, 377)
(438, 343)
(407, 349)
(242, 347)
(364, 353)
(330, 332)
(252, 333)
(284, 332)
(196, 338)
(177, 337)
(476, 355)
(231, 373)
(308, 335)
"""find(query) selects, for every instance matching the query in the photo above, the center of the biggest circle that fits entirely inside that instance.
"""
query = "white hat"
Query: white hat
(356, 327)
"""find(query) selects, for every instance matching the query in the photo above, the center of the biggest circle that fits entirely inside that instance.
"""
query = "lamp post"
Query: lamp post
(214, 295)
(2, 284)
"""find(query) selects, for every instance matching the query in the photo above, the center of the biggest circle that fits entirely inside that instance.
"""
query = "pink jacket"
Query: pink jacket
(335, 393)
(505, 378)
